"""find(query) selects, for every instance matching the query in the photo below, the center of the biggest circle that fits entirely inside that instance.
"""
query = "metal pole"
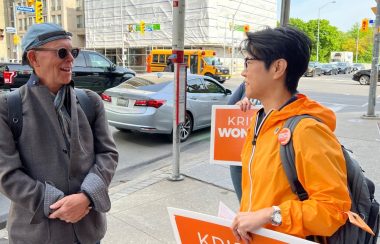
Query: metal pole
(357, 46)
(178, 51)
(233, 41)
(319, 11)
(15, 23)
(374, 71)
(285, 9)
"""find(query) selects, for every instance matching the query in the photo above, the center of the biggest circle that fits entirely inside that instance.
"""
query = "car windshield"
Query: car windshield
(210, 60)
(327, 66)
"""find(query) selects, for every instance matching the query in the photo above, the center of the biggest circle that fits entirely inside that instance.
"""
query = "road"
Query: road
(139, 151)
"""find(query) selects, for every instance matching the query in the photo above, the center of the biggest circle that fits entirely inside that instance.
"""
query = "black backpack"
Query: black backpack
(361, 190)
(15, 121)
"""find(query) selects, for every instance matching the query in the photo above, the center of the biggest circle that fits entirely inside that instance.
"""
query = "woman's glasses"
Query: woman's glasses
(246, 61)
(61, 52)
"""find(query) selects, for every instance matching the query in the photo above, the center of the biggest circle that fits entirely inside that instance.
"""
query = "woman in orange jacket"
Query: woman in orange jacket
(275, 61)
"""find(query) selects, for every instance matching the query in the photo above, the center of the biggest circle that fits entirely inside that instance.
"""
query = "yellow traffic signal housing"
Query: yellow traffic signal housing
(246, 28)
(142, 27)
(38, 8)
(364, 25)
(16, 39)
(30, 3)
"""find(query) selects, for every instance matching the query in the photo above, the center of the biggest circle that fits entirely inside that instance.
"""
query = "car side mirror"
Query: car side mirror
(227, 92)
(112, 67)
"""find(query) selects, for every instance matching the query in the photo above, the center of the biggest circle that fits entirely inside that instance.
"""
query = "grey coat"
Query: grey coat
(41, 170)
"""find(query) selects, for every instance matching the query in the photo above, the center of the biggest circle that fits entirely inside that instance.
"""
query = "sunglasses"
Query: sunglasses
(61, 52)
(246, 61)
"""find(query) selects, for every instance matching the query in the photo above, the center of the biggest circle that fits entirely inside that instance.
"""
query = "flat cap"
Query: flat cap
(40, 34)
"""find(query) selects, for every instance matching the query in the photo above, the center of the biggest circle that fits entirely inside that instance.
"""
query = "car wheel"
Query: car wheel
(186, 128)
(364, 80)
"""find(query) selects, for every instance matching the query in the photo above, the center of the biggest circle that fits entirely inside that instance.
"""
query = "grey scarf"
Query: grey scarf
(63, 109)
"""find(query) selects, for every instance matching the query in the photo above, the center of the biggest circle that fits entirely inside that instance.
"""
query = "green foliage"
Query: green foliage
(332, 39)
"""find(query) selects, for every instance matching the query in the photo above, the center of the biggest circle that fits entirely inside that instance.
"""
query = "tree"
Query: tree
(330, 38)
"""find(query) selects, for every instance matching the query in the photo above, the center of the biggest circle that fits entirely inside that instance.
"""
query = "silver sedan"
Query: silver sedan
(145, 103)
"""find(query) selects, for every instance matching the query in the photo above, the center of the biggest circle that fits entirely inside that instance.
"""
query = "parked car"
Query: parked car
(344, 67)
(22, 74)
(313, 69)
(329, 69)
(91, 70)
(357, 66)
(364, 76)
(144, 103)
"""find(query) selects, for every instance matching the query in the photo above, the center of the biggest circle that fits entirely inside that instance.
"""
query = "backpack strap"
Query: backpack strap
(86, 104)
(288, 159)
(15, 121)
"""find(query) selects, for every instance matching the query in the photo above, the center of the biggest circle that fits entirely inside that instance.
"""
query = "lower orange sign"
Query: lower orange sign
(196, 228)
(229, 127)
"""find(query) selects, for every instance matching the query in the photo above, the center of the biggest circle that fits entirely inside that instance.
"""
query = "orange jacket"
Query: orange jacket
(320, 166)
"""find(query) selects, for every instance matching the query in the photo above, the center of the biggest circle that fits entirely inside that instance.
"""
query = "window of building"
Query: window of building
(79, 4)
(20, 23)
(31, 21)
(53, 18)
(80, 21)
(53, 5)
(25, 23)
(59, 19)
(58, 5)
(45, 19)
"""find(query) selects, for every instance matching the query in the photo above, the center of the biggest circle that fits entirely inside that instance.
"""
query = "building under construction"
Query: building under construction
(126, 30)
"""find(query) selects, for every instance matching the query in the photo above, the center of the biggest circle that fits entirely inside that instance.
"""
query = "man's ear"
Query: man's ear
(279, 67)
(32, 58)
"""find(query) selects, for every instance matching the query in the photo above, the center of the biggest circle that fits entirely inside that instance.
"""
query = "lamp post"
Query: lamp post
(319, 14)
(232, 39)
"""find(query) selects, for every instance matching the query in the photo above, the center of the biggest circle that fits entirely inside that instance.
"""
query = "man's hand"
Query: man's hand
(71, 208)
(245, 104)
(247, 222)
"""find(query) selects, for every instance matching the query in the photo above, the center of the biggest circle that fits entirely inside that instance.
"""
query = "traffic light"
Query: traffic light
(364, 25)
(246, 28)
(38, 8)
(142, 27)
(30, 3)
(16, 39)
(1, 34)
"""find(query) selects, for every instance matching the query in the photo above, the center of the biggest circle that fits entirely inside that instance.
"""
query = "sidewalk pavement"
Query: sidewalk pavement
(139, 207)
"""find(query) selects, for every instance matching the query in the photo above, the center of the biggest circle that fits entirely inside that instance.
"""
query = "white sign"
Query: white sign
(25, 9)
(10, 30)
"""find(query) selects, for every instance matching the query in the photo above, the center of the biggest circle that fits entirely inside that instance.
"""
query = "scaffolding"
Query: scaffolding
(114, 26)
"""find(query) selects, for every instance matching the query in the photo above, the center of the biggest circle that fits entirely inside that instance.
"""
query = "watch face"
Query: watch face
(277, 218)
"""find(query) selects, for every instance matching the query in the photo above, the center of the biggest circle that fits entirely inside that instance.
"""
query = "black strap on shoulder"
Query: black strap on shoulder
(288, 159)
(14, 102)
(86, 104)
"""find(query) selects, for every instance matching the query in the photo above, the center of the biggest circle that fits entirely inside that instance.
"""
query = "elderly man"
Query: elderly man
(57, 172)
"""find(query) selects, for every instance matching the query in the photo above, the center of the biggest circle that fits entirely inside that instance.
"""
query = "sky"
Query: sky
(342, 14)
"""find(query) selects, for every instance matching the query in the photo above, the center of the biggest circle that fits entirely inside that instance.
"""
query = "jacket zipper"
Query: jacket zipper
(254, 141)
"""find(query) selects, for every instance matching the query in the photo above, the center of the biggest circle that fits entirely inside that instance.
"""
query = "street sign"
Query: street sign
(10, 30)
(374, 10)
(25, 9)
(371, 21)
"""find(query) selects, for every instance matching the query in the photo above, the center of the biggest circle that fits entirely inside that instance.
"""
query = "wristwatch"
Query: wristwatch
(276, 217)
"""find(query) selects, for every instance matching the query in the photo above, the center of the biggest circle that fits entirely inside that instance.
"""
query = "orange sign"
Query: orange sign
(196, 228)
(229, 127)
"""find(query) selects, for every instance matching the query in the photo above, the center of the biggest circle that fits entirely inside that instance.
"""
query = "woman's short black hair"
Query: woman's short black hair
(286, 43)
